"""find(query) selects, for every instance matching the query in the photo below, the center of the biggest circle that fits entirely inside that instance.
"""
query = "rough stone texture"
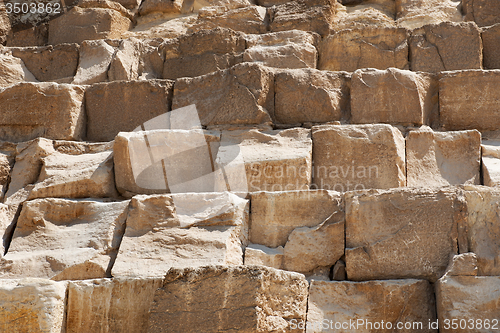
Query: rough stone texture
(421, 226)
(241, 95)
(65, 239)
(469, 100)
(463, 264)
(32, 305)
(7, 225)
(357, 157)
(202, 52)
(413, 14)
(392, 96)
(388, 302)
(366, 14)
(276, 214)
(256, 254)
(80, 24)
(311, 95)
(380, 48)
(244, 298)
(50, 63)
(35, 36)
(491, 46)
(490, 163)
(442, 158)
(284, 49)
(122, 106)
(151, 6)
(7, 159)
(446, 47)
(95, 58)
(5, 26)
(468, 298)
(13, 70)
(164, 26)
(182, 230)
(483, 12)
(250, 20)
(51, 110)
(110, 305)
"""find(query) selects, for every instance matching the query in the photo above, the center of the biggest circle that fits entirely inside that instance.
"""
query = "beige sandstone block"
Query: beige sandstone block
(413, 14)
(250, 20)
(357, 157)
(380, 48)
(35, 36)
(94, 61)
(13, 70)
(442, 158)
(403, 233)
(51, 110)
(491, 46)
(392, 96)
(311, 95)
(161, 26)
(65, 239)
(32, 305)
(256, 254)
(242, 298)
(366, 306)
(469, 99)
(490, 163)
(358, 15)
(151, 6)
(483, 12)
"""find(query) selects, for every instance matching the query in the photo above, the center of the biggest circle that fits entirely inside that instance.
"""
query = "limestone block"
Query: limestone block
(380, 48)
(13, 70)
(202, 52)
(469, 100)
(51, 110)
(123, 105)
(413, 14)
(363, 14)
(130, 4)
(483, 12)
(357, 157)
(491, 46)
(7, 159)
(5, 26)
(182, 230)
(162, 26)
(243, 298)
(490, 163)
(110, 305)
(250, 20)
(50, 63)
(95, 58)
(261, 255)
(442, 158)
(80, 24)
(284, 49)
(464, 264)
(392, 96)
(369, 305)
(32, 305)
(446, 46)
(402, 233)
(240, 95)
(35, 36)
(169, 7)
(311, 95)
(64, 239)
(466, 298)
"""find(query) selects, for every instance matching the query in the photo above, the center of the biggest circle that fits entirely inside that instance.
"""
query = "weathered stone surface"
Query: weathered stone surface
(110, 305)
(308, 248)
(51, 110)
(338, 271)
(463, 264)
(202, 52)
(256, 254)
(182, 230)
(13, 70)
(466, 298)
(7, 225)
(469, 100)
(311, 95)
(50, 63)
(392, 96)
(490, 163)
(164, 26)
(442, 158)
(35, 36)
(65, 239)
(122, 106)
(483, 12)
(413, 14)
(380, 48)
(402, 233)
(276, 214)
(169, 7)
(243, 298)
(7, 159)
(357, 157)
(32, 305)
(371, 304)
(284, 49)
(5, 26)
(491, 46)
(365, 14)
(250, 20)
(241, 95)
(80, 24)
(446, 46)
(95, 58)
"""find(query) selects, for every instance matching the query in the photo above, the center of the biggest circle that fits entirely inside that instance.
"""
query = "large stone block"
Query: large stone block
(403, 233)
(35, 36)
(250, 20)
(311, 95)
(13, 70)
(372, 306)
(54, 111)
(442, 158)
(256, 254)
(357, 157)
(490, 163)
(65, 239)
(122, 106)
(241, 95)
(242, 298)
(366, 14)
(182, 230)
(491, 46)
(483, 12)
(469, 100)
(446, 47)
(413, 14)
(168, 7)
(380, 48)
(32, 305)
(393, 96)
(95, 58)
